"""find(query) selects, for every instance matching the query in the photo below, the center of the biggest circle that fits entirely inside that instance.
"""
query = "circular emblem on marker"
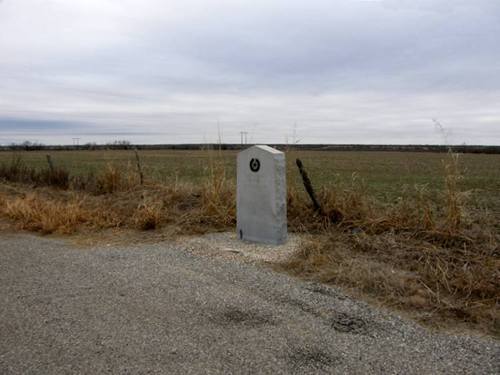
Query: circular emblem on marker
(254, 165)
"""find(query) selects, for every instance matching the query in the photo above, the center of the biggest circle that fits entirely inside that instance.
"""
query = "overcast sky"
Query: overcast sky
(165, 71)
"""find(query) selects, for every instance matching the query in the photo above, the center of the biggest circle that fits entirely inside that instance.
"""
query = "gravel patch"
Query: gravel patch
(228, 245)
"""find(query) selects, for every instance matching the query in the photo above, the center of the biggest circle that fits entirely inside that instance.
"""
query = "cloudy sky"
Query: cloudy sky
(175, 71)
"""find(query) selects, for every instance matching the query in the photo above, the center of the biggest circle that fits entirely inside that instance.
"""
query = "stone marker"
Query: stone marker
(261, 195)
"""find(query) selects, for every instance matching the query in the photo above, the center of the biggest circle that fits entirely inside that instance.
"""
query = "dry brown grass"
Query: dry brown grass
(192, 209)
(434, 284)
(32, 213)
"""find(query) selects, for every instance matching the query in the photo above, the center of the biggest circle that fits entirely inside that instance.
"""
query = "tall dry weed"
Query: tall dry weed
(218, 195)
(110, 179)
(149, 215)
(455, 198)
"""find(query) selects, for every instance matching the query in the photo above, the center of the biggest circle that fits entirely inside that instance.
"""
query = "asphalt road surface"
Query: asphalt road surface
(159, 309)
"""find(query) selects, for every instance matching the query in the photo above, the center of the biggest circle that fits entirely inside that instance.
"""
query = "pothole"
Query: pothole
(235, 316)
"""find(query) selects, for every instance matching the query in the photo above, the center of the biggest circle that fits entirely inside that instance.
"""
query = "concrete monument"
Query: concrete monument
(261, 195)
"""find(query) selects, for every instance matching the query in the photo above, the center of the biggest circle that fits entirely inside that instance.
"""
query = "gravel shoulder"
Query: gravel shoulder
(184, 307)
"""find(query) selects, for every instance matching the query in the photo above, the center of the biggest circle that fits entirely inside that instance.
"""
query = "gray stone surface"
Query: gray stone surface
(261, 195)
(156, 309)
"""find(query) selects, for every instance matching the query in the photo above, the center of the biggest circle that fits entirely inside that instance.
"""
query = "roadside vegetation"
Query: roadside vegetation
(429, 248)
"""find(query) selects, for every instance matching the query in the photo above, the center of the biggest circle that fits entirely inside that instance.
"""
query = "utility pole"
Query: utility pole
(244, 139)
(76, 142)
(219, 133)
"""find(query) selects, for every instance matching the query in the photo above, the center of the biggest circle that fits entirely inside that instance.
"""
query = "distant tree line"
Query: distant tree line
(126, 145)
(25, 146)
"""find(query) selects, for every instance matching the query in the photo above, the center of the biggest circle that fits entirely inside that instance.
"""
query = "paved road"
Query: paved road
(159, 309)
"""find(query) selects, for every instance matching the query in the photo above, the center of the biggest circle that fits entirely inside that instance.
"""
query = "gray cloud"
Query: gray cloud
(344, 71)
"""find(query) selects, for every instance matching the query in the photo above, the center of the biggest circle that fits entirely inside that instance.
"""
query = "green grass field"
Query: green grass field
(385, 174)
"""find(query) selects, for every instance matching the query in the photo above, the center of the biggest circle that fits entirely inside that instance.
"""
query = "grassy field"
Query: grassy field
(385, 175)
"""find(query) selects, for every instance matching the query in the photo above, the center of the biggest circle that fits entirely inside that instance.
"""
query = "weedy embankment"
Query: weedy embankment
(436, 257)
